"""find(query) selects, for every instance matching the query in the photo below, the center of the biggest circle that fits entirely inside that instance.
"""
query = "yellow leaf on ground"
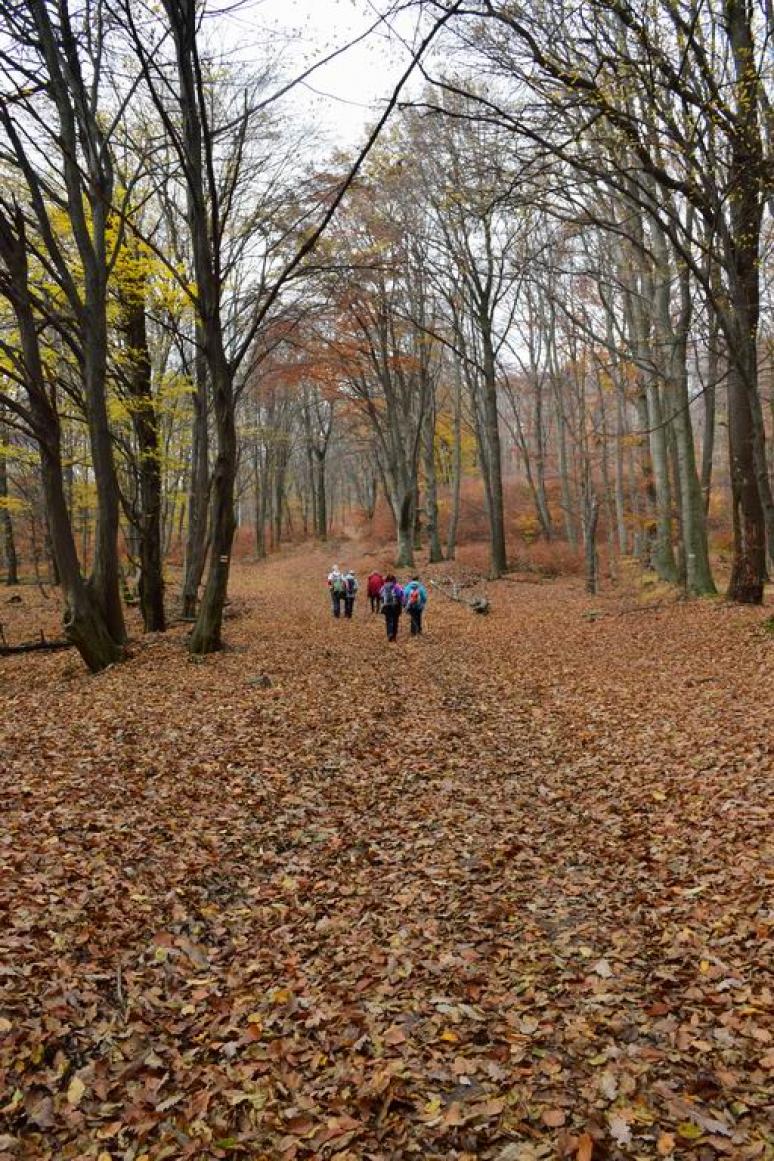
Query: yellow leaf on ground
(75, 1091)
(690, 1132)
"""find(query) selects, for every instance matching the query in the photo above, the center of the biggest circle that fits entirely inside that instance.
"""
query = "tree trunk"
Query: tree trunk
(87, 172)
(607, 486)
(498, 555)
(748, 571)
(454, 515)
(590, 519)
(620, 475)
(145, 424)
(404, 519)
(663, 552)
(85, 620)
(753, 505)
(431, 489)
(541, 499)
(709, 396)
(321, 529)
(199, 486)
(568, 508)
(261, 495)
(48, 548)
(105, 573)
(206, 635)
(698, 573)
(6, 525)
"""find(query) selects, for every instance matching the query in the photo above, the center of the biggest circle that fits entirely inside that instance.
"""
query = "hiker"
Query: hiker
(336, 587)
(350, 592)
(391, 597)
(374, 588)
(414, 601)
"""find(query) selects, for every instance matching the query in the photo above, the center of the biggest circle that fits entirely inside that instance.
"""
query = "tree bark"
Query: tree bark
(196, 140)
(748, 179)
(671, 329)
(590, 519)
(404, 521)
(206, 636)
(456, 484)
(497, 550)
(199, 485)
(86, 623)
(321, 528)
(431, 488)
(748, 572)
(709, 397)
(9, 544)
(145, 423)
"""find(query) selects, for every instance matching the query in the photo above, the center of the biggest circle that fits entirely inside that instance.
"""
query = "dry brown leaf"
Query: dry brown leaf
(402, 918)
(585, 1147)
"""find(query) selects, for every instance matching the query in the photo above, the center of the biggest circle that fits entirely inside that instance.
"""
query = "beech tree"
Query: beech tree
(56, 151)
(681, 95)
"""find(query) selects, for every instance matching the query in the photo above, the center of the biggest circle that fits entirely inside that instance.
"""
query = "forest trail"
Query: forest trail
(498, 892)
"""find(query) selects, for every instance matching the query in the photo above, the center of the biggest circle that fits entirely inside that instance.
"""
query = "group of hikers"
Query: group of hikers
(385, 594)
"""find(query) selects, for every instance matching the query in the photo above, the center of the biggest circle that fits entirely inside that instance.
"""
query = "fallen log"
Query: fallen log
(477, 604)
(40, 646)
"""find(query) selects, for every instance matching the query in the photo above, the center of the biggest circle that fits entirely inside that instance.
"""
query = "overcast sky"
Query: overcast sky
(345, 95)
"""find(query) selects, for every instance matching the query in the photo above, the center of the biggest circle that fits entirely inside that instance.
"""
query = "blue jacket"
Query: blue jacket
(408, 590)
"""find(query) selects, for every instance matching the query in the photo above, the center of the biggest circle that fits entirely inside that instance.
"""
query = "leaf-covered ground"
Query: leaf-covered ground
(499, 892)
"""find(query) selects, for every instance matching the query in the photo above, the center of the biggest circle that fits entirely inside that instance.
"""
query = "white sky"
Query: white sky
(341, 98)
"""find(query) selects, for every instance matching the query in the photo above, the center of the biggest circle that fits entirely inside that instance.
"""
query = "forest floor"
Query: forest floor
(497, 892)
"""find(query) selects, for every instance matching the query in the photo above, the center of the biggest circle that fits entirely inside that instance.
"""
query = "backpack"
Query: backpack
(337, 585)
(415, 598)
(389, 600)
(350, 583)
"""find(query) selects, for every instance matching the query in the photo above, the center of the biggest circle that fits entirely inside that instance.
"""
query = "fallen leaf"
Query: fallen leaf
(689, 1131)
(608, 1084)
(619, 1129)
(585, 1148)
(75, 1091)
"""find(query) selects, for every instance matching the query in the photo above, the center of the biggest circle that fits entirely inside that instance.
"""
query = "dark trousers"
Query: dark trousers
(349, 604)
(376, 603)
(416, 621)
(391, 619)
(336, 604)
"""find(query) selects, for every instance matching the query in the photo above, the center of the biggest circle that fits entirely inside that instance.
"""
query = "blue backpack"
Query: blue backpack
(390, 598)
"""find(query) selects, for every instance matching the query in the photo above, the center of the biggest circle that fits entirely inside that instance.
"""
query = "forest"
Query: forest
(276, 890)
(531, 309)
